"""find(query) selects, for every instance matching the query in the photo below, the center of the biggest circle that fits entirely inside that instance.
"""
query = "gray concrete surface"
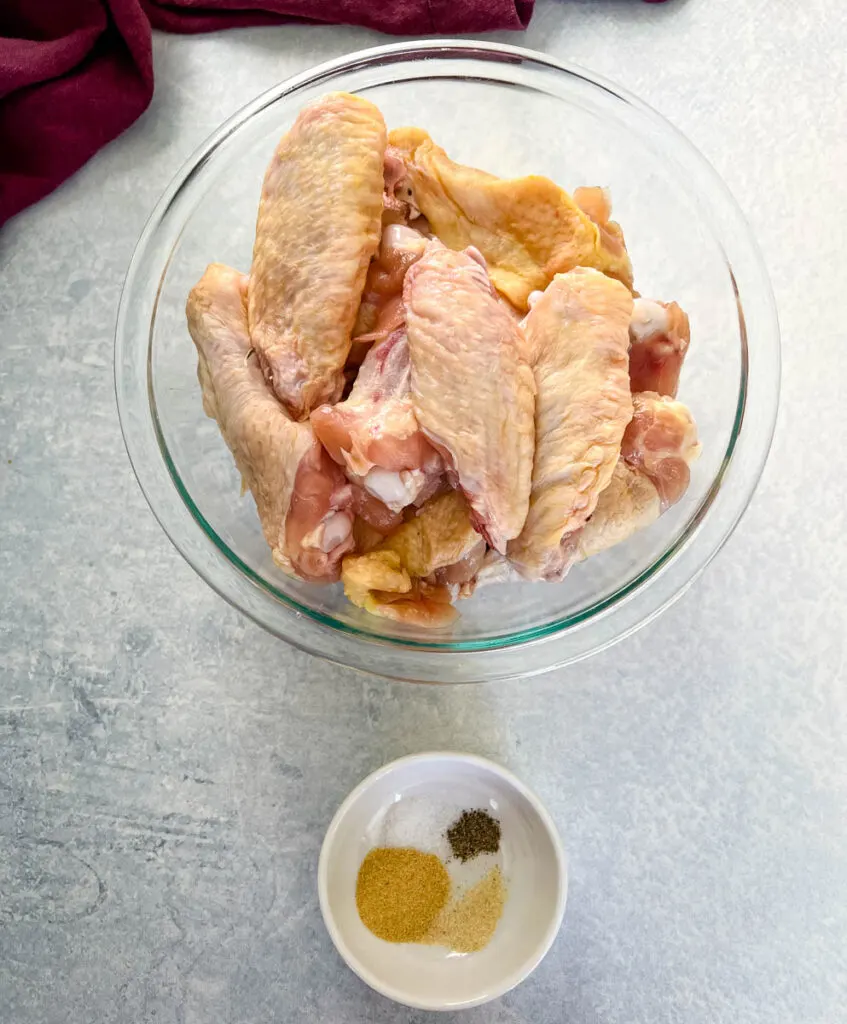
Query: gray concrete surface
(167, 770)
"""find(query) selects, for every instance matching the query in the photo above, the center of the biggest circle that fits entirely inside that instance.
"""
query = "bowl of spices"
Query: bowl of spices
(442, 881)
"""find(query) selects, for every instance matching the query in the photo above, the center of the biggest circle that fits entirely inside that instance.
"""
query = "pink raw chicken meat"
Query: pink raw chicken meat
(660, 442)
(472, 386)
(398, 198)
(652, 474)
(382, 310)
(305, 504)
(374, 433)
(658, 340)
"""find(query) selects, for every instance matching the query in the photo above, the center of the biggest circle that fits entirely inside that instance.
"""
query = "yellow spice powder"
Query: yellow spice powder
(468, 925)
(399, 893)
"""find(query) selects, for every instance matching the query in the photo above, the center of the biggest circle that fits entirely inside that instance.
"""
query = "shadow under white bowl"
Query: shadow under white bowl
(532, 861)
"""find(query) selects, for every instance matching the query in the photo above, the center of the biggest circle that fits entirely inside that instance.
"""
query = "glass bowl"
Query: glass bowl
(512, 112)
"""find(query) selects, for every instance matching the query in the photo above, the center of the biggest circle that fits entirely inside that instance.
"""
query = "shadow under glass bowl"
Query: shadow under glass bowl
(511, 112)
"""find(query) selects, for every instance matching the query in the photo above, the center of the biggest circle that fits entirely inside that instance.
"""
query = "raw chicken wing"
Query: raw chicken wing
(301, 495)
(652, 474)
(318, 227)
(578, 335)
(374, 433)
(381, 311)
(528, 229)
(472, 387)
(420, 562)
(659, 336)
(661, 441)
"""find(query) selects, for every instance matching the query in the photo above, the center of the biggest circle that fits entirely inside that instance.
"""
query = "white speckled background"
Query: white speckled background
(167, 770)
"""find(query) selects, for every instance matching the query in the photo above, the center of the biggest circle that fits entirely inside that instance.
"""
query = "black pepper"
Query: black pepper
(472, 833)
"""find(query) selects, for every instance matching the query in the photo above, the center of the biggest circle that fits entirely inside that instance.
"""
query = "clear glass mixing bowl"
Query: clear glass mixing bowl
(511, 112)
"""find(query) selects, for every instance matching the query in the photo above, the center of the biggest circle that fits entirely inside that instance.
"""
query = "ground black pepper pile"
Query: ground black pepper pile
(474, 832)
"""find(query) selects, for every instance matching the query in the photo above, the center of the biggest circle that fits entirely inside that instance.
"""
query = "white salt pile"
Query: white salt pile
(420, 822)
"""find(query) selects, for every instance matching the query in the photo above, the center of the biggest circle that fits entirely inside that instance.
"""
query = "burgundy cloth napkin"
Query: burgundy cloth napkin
(401, 17)
(73, 75)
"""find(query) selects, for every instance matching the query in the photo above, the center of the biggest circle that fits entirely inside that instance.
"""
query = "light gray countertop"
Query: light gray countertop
(167, 770)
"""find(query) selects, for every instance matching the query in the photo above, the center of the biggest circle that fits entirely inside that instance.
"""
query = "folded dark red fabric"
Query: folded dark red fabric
(400, 17)
(73, 75)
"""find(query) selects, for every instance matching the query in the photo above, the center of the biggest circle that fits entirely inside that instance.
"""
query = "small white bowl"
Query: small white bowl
(531, 858)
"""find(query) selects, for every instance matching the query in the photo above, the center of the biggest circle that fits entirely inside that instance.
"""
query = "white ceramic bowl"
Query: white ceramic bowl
(532, 861)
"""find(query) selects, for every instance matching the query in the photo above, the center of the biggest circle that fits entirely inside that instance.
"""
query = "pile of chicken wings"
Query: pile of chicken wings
(433, 378)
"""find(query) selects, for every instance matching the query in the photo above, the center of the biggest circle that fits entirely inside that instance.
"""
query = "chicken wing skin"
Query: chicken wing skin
(630, 503)
(318, 227)
(596, 204)
(472, 387)
(441, 535)
(652, 474)
(528, 229)
(659, 335)
(420, 562)
(301, 496)
(578, 333)
(378, 583)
